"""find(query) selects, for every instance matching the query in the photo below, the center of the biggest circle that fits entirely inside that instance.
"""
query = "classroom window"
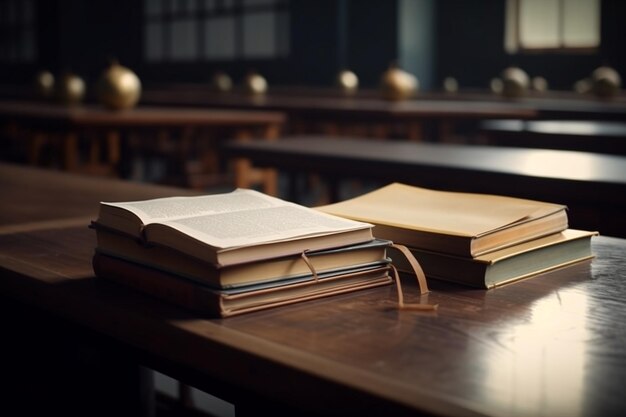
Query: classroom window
(18, 41)
(552, 25)
(215, 30)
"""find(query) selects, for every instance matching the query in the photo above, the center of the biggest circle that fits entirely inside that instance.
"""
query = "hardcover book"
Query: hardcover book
(231, 228)
(124, 247)
(462, 224)
(506, 265)
(225, 303)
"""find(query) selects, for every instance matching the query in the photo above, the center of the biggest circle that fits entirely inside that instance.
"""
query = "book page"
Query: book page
(159, 210)
(242, 217)
(258, 226)
(417, 208)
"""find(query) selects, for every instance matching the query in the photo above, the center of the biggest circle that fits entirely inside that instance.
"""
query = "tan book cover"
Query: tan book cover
(464, 224)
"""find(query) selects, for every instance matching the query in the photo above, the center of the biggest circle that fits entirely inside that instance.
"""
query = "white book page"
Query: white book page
(240, 218)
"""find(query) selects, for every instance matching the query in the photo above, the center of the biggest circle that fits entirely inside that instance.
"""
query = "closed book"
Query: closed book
(506, 265)
(169, 260)
(462, 224)
(225, 303)
(231, 228)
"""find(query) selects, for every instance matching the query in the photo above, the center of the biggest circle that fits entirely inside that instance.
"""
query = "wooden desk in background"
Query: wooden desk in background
(551, 345)
(577, 135)
(593, 186)
(193, 130)
(336, 114)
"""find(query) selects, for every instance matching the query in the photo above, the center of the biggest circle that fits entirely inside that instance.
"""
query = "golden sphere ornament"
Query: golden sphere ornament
(44, 84)
(221, 82)
(397, 84)
(515, 82)
(347, 81)
(70, 89)
(450, 85)
(255, 83)
(605, 81)
(118, 87)
(540, 84)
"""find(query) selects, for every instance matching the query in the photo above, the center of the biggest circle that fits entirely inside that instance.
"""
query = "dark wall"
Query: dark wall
(326, 35)
(372, 38)
(84, 36)
(470, 46)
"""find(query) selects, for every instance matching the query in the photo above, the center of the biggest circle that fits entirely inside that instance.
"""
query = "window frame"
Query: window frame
(237, 9)
(512, 38)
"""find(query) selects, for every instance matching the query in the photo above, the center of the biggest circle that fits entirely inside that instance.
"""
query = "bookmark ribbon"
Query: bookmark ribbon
(421, 282)
(309, 264)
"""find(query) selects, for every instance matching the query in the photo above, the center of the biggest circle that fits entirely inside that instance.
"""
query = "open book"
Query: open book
(462, 224)
(231, 228)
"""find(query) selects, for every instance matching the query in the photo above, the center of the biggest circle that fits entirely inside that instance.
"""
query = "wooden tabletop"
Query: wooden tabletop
(146, 116)
(341, 106)
(37, 198)
(550, 345)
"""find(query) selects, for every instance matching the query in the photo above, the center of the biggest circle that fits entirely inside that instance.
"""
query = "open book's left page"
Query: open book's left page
(239, 218)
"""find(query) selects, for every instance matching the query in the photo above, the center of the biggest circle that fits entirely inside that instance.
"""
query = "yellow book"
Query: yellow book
(462, 224)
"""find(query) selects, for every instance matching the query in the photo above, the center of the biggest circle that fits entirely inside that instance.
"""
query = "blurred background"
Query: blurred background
(305, 43)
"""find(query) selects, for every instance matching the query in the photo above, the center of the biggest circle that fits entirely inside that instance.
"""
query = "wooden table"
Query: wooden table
(551, 345)
(41, 352)
(592, 185)
(579, 135)
(368, 115)
(152, 126)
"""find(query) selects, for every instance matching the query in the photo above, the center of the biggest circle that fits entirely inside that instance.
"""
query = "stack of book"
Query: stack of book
(231, 253)
(475, 239)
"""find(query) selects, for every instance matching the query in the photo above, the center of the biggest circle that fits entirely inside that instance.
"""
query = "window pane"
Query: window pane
(539, 23)
(153, 38)
(581, 23)
(283, 34)
(184, 40)
(259, 35)
(219, 38)
(247, 3)
(208, 5)
(183, 6)
(153, 7)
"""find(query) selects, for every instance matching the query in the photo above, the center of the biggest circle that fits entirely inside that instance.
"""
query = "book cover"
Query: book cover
(506, 265)
(169, 260)
(226, 303)
(463, 224)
